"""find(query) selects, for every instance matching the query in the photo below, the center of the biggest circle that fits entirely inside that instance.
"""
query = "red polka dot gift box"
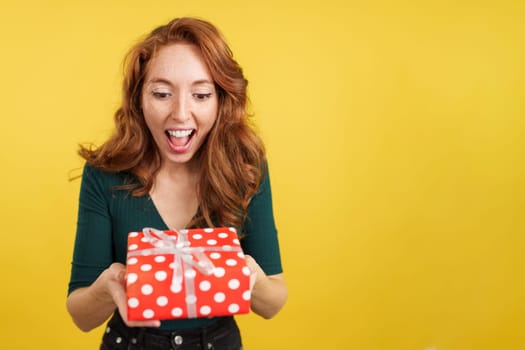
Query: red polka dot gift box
(186, 274)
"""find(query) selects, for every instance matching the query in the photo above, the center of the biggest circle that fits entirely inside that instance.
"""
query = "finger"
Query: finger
(121, 301)
(250, 262)
(151, 324)
(118, 271)
(252, 265)
(253, 278)
(124, 314)
(120, 298)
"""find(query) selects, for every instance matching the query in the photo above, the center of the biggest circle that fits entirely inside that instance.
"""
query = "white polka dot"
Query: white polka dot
(227, 247)
(133, 302)
(219, 272)
(232, 229)
(176, 288)
(211, 242)
(145, 239)
(133, 234)
(241, 255)
(246, 271)
(161, 275)
(233, 308)
(148, 313)
(190, 273)
(215, 255)
(197, 236)
(191, 299)
(219, 297)
(231, 262)
(208, 230)
(162, 301)
(146, 289)
(223, 235)
(234, 283)
(246, 295)
(133, 247)
(172, 265)
(205, 310)
(205, 286)
(236, 241)
(132, 261)
(160, 258)
(176, 312)
(145, 267)
(132, 278)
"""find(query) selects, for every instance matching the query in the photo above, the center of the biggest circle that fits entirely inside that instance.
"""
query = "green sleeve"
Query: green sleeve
(93, 244)
(261, 240)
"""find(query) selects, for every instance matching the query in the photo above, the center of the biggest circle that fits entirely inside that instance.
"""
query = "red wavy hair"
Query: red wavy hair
(232, 159)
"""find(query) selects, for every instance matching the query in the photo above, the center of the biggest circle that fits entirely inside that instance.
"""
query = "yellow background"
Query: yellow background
(394, 131)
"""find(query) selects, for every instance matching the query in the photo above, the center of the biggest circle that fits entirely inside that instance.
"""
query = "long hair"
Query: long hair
(232, 159)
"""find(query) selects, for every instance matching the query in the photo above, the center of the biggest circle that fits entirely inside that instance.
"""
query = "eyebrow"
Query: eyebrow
(167, 82)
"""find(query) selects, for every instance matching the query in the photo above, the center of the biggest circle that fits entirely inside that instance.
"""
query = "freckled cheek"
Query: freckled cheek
(209, 113)
(154, 110)
(206, 121)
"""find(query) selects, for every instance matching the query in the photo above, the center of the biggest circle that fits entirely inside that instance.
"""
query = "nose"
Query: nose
(180, 109)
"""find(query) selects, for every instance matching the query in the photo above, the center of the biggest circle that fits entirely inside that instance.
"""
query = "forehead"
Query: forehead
(178, 61)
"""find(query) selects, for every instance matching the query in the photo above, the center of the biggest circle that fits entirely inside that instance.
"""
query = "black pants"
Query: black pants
(221, 335)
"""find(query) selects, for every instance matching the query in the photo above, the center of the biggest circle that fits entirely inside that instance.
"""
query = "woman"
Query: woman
(182, 155)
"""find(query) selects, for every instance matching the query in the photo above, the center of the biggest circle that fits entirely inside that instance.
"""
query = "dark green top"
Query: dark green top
(106, 215)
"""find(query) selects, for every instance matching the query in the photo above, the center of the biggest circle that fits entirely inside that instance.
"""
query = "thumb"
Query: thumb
(118, 272)
(253, 278)
(121, 276)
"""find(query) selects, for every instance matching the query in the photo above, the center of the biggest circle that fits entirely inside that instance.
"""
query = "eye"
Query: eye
(161, 95)
(203, 96)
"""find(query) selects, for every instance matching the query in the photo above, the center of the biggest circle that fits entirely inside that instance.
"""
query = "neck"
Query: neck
(179, 171)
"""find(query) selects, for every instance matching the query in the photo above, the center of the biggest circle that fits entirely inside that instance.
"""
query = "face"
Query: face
(179, 101)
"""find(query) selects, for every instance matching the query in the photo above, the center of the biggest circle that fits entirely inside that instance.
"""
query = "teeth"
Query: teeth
(180, 133)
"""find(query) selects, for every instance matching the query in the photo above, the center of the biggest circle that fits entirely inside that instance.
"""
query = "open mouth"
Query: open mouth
(180, 138)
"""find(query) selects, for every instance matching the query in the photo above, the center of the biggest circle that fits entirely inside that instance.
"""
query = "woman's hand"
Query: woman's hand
(116, 289)
(269, 293)
(91, 306)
